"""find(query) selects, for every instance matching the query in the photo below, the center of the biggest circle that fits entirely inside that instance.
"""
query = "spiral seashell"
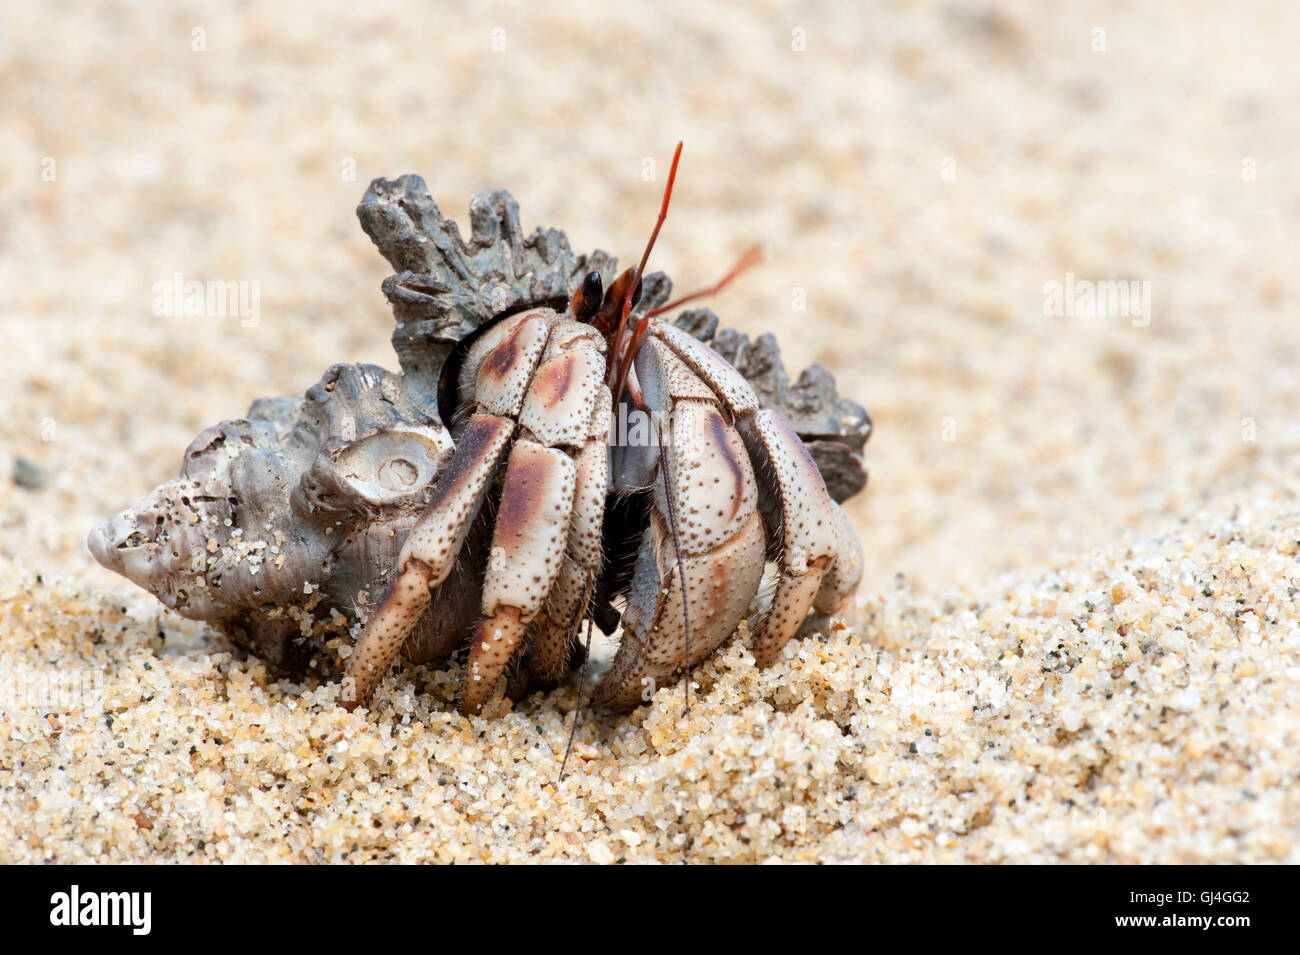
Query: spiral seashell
(302, 504)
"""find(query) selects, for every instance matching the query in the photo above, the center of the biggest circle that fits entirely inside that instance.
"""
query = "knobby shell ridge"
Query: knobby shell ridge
(445, 289)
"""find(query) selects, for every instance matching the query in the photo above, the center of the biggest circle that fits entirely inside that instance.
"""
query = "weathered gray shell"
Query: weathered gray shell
(286, 522)
(301, 505)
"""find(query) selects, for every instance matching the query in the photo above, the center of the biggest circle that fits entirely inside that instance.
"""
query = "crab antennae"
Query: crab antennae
(659, 224)
(623, 358)
(753, 255)
(577, 714)
(681, 569)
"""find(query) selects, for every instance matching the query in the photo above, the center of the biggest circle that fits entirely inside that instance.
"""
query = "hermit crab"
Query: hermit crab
(551, 452)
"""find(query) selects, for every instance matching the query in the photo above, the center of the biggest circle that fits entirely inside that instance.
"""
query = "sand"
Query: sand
(1077, 639)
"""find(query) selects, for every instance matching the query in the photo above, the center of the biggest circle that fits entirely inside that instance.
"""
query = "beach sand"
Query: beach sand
(1078, 637)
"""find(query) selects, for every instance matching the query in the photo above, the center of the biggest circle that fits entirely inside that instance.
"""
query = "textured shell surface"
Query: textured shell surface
(284, 524)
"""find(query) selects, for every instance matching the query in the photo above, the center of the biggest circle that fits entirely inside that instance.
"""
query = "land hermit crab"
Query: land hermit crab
(494, 494)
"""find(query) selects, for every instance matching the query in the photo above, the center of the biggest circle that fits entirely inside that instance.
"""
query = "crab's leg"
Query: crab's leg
(801, 527)
(839, 583)
(527, 547)
(500, 364)
(715, 501)
(817, 550)
(547, 537)
(386, 631)
(428, 555)
(558, 624)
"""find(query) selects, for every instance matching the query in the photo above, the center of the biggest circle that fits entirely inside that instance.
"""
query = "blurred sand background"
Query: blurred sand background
(920, 171)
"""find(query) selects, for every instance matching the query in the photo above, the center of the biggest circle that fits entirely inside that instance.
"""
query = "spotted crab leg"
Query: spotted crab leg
(538, 378)
(546, 548)
(503, 362)
(845, 573)
(715, 502)
(722, 506)
(557, 626)
(429, 554)
(527, 547)
(817, 552)
(801, 530)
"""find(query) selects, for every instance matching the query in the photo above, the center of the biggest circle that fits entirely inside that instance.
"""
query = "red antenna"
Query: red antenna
(619, 300)
(622, 357)
(663, 214)
(753, 255)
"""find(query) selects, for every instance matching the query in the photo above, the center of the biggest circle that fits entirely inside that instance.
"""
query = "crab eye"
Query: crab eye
(587, 299)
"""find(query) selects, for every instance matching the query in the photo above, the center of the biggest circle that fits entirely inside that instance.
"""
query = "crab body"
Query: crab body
(541, 416)
(494, 494)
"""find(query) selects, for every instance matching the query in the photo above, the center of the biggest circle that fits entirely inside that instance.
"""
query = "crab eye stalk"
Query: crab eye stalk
(610, 314)
(586, 300)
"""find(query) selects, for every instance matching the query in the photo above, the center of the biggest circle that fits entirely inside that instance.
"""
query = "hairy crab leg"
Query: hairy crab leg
(801, 527)
(429, 553)
(557, 626)
(715, 503)
(567, 406)
(503, 361)
(719, 587)
(845, 573)
(527, 546)
(818, 554)
(546, 543)
(386, 631)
